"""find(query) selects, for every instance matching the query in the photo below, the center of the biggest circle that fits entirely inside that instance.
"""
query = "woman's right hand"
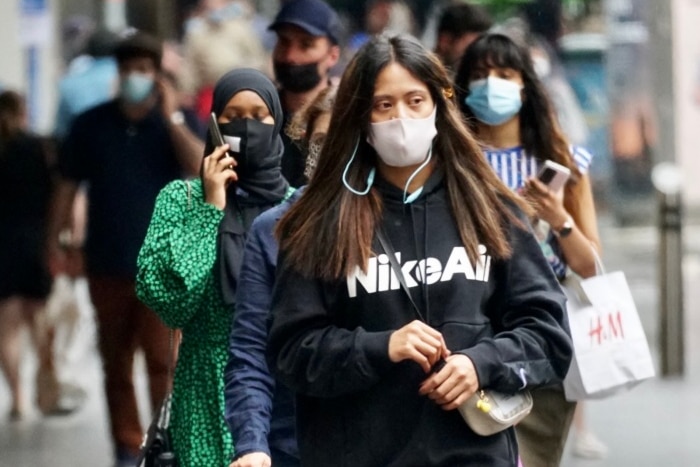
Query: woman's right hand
(217, 173)
(418, 342)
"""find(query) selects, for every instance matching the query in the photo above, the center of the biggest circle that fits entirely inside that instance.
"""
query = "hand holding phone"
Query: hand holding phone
(553, 175)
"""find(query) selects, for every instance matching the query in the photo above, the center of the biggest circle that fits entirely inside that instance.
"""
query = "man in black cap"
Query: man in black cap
(126, 149)
(308, 37)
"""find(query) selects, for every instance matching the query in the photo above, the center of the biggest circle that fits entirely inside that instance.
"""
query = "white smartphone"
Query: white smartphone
(554, 175)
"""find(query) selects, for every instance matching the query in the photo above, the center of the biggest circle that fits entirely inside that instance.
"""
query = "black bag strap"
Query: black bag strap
(173, 348)
(389, 250)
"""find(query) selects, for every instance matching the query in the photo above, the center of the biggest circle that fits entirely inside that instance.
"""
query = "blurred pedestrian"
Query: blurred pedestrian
(127, 149)
(260, 411)
(25, 189)
(308, 38)
(222, 39)
(189, 265)
(459, 25)
(399, 171)
(506, 105)
(91, 79)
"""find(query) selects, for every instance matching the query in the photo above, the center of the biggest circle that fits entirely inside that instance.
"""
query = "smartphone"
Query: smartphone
(217, 138)
(234, 142)
(554, 175)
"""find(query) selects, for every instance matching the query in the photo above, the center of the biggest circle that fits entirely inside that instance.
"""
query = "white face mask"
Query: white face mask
(402, 142)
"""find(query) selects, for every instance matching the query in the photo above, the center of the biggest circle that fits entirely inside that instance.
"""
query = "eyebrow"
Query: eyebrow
(245, 109)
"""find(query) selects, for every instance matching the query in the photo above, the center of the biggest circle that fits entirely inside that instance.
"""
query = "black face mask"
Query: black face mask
(297, 78)
(250, 141)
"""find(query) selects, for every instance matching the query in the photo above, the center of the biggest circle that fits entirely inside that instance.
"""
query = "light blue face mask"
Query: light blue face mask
(370, 178)
(136, 87)
(494, 100)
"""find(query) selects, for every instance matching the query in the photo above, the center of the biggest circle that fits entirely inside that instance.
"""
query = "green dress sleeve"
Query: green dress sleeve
(176, 260)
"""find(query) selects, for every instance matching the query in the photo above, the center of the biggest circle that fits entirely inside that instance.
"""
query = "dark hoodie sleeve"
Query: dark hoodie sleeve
(249, 387)
(308, 352)
(532, 342)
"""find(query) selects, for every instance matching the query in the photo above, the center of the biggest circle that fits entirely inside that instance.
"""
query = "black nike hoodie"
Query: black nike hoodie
(329, 341)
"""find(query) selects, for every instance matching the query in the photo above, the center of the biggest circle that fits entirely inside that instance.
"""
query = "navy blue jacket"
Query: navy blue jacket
(259, 412)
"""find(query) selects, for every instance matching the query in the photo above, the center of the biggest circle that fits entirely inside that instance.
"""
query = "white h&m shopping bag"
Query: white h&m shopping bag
(611, 353)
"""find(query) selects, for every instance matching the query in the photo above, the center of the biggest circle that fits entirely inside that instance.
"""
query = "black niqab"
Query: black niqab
(261, 189)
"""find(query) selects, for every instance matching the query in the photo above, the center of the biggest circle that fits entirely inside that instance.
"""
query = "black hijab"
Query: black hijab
(262, 189)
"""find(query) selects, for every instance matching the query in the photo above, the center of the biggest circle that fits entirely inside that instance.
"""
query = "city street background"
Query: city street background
(634, 65)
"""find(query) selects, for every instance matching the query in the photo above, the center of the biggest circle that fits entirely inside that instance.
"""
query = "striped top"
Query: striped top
(514, 166)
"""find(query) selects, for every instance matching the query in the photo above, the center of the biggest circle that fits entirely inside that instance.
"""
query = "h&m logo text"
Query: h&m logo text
(380, 277)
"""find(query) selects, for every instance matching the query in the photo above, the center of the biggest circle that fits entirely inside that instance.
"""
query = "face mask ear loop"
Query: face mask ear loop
(370, 177)
(413, 196)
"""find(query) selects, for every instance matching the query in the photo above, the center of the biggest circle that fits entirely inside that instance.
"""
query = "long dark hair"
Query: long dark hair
(329, 231)
(540, 133)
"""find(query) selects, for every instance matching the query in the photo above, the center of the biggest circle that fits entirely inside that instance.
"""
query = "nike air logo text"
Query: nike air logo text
(380, 277)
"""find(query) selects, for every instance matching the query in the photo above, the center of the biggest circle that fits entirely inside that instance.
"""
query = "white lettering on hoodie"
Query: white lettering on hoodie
(380, 277)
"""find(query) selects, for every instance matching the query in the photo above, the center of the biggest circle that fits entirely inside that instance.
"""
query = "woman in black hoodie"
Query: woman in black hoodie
(347, 338)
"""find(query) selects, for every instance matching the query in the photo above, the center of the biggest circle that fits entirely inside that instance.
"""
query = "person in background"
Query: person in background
(398, 162)
(507, 107)
(382, 17)
(25, 190)
(222, 39)
(459, 25)
(91, 79)
(309, 127)
(572, 121)
(189, 264)
(308, 38)
(260, 412)
(128, 149)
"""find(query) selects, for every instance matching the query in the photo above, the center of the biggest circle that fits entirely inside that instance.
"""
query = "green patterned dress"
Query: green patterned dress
(175, 279)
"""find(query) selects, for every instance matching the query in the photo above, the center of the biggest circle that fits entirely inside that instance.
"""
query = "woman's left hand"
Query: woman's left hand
(453, 384)
(253, 459)
(548, 204)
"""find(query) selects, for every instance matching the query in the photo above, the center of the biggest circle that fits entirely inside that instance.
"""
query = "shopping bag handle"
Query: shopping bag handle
(599, 267)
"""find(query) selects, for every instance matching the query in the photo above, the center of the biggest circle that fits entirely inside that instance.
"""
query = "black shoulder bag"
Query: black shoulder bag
(157, 446)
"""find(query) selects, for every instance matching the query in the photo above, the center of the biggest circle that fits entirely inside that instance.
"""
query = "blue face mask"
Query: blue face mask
(136, 87)
(494, 100)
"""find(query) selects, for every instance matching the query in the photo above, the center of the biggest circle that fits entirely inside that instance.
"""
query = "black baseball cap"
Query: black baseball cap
(314, 16)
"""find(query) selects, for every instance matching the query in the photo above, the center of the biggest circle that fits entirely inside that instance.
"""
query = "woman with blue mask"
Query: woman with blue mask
(402, 194)
(507, 107)
(189, 265)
